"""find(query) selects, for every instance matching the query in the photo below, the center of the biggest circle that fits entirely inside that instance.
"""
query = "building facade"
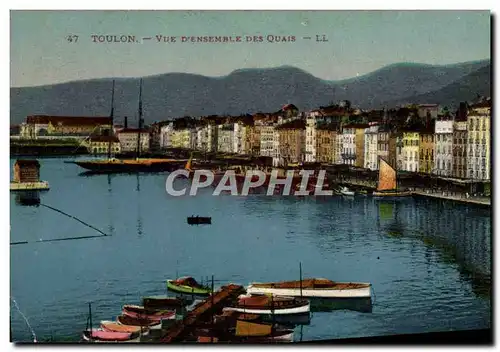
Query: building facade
(326, 146)
(225, 141)
(371, 147)
(478, 141)
(348, 145)
(459, 166)
(42, 125)
(267, 140)
(289, 143)
(360, 145)
(426, 151)
(386, 148)
(129, 137)
(410, 150)
(101, 144)
(166, 135)
(443, 141)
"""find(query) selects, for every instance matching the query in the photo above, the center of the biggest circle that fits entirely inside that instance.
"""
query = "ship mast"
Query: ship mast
(140, 121)
(111, 116)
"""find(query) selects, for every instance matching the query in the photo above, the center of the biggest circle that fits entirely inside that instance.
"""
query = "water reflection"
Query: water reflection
(27, 198)
(363, 305)
(139, 217)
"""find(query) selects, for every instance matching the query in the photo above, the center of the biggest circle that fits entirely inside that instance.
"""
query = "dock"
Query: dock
(211, 305)
(443, 196)
(29, 186)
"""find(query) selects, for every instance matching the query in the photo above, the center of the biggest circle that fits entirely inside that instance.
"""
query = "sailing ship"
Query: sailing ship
(113, 165)
(387, 182)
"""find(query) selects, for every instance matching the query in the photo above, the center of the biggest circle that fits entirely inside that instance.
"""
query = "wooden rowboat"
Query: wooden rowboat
(113, 326)
(142, 313)
(155, 302)
(187, 285)
(312, 288)
(270, 305)
(106, 336)
(126, 320)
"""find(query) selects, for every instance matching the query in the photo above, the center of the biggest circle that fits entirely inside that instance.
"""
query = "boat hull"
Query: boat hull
(281, 311)
(187, 289)
(128, 166)
(138, 312)
(325, 293)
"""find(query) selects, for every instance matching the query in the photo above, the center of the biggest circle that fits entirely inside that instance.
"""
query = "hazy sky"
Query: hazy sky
(358, 42)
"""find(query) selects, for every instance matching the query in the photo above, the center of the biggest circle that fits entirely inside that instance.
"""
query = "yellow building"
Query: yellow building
(426, 151)
(181, 138)
(360, 145)
(289, 146)
(478, 141)
(410, 151)
(252, 140)
(326, 146)
(101, 145)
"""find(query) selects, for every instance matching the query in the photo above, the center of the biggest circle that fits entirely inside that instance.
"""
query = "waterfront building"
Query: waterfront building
(166, 135)
(311, 135)
(239, 142)
(478, 140)
(181, 138)
(443, 141)
(348, 145)
(128, 138)
(360, 144)
(459, 158)
(371, 147)
(326, 143)
(252, 140)
(225, 142)
(42, 125)
(398, 142)
(289, 143)
(267, 139)
(410, 151)
(386, 145)
(314, 121)
(426, 150)
(338, 147)
(101, 144)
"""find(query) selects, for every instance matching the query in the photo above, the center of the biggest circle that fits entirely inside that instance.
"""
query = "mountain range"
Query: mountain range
(252, 90)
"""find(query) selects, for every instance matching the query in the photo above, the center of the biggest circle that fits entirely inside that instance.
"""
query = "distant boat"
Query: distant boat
(199, 220)
(312, 288)
(346, 192)
(140, 312)
(387, 182)
(187, 285)
(270, 305)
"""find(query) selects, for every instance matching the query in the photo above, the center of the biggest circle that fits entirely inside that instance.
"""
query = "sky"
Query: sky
(359, 42)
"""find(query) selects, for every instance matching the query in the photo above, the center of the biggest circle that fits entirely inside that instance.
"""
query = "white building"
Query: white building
(166, 135)
(311, 152)
(267, 140)
(349, 145)
(240, 131)
(339, 138)
(371, 147)
(478, 141)
(128, 138)
(443, 157)
(225, 142)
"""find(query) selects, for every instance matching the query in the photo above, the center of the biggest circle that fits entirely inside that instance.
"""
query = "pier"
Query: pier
(206, 308)
(461, 198)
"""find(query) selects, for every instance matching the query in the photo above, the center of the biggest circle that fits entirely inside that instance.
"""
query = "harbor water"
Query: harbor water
(429, 261)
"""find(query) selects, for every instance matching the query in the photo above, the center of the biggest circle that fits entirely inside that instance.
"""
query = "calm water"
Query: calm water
(429, 261)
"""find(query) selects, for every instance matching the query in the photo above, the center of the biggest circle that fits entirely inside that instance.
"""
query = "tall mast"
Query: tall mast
(140, 121)
(112, 117)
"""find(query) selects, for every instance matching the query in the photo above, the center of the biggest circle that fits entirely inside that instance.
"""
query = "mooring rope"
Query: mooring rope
(25, 319)
(67, 238)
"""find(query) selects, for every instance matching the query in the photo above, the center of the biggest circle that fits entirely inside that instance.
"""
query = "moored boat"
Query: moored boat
(106, 336)
(126, 320)
(264, 304)
(199, 220)
(187, 285)
(140, 312)
(157, 302)
(113, 326)
(346, 192)
(387, 182)
(312, 288)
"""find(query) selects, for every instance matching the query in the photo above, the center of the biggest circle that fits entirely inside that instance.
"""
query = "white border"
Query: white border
(184, 5)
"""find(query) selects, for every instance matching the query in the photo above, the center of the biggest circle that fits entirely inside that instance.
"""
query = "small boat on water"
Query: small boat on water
(113, 326)
(99, 335)
(387, 182)
(264, 304)
(188, 285)
(312, 288)
(199, 220)
(127, 320)
(346, 192)
(157, 302)
(142, 313)
(245, 332)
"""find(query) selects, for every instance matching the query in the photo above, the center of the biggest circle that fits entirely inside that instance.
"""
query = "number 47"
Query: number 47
(72, 38)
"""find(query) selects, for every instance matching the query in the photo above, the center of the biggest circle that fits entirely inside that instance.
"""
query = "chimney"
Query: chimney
(125, 124)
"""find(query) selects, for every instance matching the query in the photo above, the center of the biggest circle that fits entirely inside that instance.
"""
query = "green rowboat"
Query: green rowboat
(187, 285)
